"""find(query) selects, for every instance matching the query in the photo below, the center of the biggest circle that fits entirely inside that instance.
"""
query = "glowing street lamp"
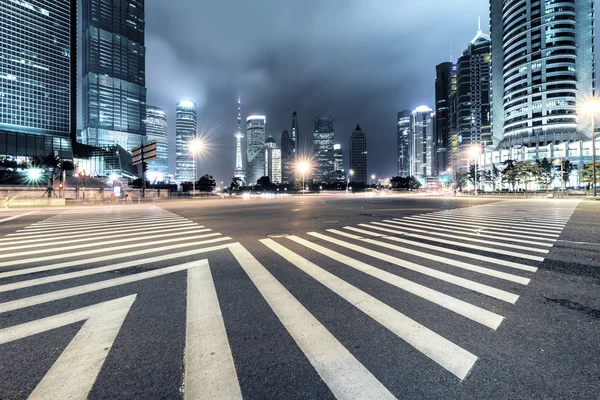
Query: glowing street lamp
(372, 178)
(83, 175)
(350, 173)
(591, 107)
(195, 146)
(303, 168)
(475, 152)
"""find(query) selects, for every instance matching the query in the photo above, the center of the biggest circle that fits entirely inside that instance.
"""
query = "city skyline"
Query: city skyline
(373, 97)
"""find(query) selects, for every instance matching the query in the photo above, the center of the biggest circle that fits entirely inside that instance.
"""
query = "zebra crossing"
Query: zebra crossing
(451, 240)
(468, 266)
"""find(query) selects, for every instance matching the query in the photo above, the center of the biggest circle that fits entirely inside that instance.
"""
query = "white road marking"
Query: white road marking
(91, 287)
(77, 263)
(345, 376)
(17, 216)
(455, 243)
(453, 358)
(443, 276)
(103, 250)
(92, 236)
(156, 221)
(517, 223)
(436, 226)
(76, 369)
(484, 228)
(115, 267)
(52, 222)
(497, 261)
(209, 369)
(472, 312)
(399, 225)
(125, 237)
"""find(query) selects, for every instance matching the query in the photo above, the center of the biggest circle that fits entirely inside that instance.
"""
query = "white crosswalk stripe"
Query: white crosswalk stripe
(452, 245)
(468, 265)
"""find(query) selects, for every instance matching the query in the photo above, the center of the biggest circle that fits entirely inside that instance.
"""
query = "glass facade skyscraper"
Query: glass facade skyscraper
(273, 161)
(404, 143)
(114, 56)
(156, 129)
(542, 67)
(36, 78)
(186, 126)
(255, 155)
(323, 140)
(422, 142)
(358, 156)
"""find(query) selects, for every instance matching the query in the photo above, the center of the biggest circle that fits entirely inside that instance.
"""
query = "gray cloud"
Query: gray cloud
(358, 60)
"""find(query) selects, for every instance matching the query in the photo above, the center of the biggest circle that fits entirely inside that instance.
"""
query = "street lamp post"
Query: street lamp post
(591, 107)
(350, 173)
(303, 167)
(82, 174)
(195, 146)
(372, 178)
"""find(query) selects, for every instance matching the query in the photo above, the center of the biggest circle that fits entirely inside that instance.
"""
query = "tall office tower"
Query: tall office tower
(323, 148)
(404, 136)
(295, 132)
(37, 77)
(272, 161)
(185, 131)
(255, 155)
(358, 156)
(156, 129)
(542, 67)
(443, 82)
(338, 158)
(114, 81)
(239, 172)
(422, 142)
(287, 158)
(472, 100)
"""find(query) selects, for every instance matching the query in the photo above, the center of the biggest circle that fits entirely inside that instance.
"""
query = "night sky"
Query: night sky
(359, 60)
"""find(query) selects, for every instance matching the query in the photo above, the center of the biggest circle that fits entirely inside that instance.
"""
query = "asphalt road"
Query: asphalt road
(314, 297)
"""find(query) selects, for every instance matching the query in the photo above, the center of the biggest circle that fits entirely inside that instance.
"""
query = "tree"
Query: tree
(53, 164)
(461, 180)
(526, 172)
(510, 174)
(8, 168)
(206, 183)
(472, 174)
(399, 182)
(545, 170)
(492, 177)
(587, 173)
(414, 183)
(137, 183)
(235, 184)
(567, 167)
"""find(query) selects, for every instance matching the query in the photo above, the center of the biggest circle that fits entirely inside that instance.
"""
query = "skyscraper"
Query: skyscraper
(156, 129)
(114, 82)
(422, 142)
(272, 161)
(358, 156)
(542, 67)
(443, 81)
(471, 105)
(323, 141)
(404, 143)
(37, 78)
(295, 132)
(239, 172)
(338, 158)
(185, 132)
(255, 155)
(287, 157)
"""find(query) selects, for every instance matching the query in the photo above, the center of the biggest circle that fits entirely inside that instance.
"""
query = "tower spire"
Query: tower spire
(239, 172)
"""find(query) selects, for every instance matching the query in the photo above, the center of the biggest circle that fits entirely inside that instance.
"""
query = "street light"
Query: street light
(591, 107)
(474, 152)
(195, 147)
(83, 175)
(350, 173)
(303, 168)
(372, 178)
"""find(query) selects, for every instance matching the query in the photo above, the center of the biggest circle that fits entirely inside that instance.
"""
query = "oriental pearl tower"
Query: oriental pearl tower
(239, 172)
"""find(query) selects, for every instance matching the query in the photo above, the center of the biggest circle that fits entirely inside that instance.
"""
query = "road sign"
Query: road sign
(146, 152)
